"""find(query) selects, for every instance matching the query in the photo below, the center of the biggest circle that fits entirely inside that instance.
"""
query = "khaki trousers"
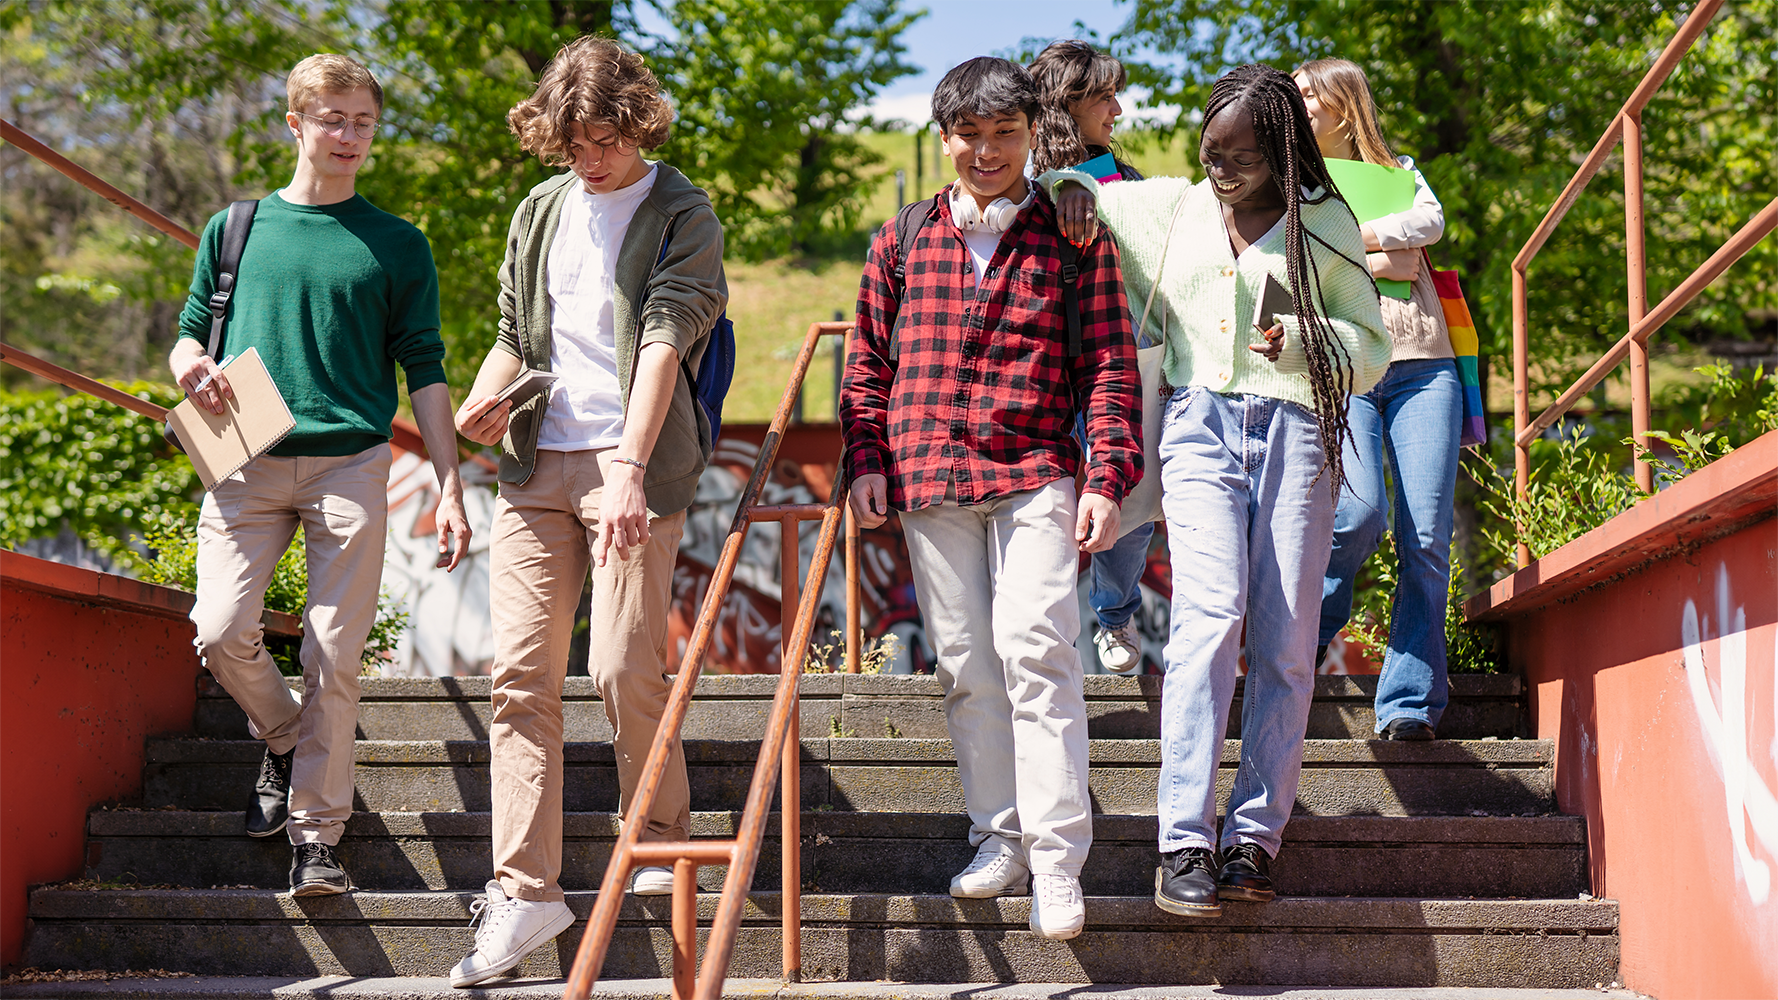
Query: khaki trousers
(341, 503)
(541, 550)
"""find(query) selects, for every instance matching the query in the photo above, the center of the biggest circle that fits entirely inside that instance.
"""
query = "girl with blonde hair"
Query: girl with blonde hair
(1413, 416)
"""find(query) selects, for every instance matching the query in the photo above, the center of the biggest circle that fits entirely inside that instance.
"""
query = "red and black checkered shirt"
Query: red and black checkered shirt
(976, 388)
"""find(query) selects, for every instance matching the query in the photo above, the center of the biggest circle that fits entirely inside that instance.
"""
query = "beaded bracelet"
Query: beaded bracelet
(631, 461)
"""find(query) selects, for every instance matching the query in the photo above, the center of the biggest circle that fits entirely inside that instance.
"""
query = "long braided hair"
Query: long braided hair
(1067, 72)
(1286, 140)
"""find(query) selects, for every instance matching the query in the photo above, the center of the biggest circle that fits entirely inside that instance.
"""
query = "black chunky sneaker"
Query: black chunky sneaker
(1185, 883)
(1246, 874)
(315, 872)
(268, 811)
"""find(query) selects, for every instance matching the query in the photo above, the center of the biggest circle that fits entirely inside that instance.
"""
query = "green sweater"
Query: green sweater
(1206, 298)
(333, 296)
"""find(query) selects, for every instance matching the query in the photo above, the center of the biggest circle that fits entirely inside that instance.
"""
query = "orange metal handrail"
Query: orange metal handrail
(1625, 127)
(23, 140)
(780, 749)
(74, 380)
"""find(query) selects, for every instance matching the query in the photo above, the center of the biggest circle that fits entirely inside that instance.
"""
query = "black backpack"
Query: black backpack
(906, 229)
(234, 242)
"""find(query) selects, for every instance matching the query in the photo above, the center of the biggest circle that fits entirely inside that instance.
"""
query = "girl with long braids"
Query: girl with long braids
(1078, 86)
(1415, 414)
(1250, 455)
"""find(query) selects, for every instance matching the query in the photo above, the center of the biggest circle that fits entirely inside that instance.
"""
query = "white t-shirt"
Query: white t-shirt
(586, 407)
(981, 242)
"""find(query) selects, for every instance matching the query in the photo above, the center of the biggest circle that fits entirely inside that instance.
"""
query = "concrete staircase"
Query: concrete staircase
(1430, 865)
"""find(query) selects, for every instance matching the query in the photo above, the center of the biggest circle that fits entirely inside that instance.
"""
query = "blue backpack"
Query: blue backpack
(716, 369)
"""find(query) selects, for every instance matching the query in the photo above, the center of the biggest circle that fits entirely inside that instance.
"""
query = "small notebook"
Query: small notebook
(1273, 302)
(529, 383)
(255, 420)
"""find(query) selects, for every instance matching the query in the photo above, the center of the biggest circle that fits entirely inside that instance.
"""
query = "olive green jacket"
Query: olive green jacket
(676, 303)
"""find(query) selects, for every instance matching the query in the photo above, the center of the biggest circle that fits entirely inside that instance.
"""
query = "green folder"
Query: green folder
(1374, 192)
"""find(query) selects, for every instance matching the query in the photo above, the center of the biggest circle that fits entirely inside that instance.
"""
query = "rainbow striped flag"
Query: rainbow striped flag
(1467, 347)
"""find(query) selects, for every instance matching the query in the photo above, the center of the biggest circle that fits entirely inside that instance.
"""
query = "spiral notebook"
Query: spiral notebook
(254, 421)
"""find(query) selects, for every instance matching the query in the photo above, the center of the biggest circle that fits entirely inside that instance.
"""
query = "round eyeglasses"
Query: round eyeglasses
(334, 125)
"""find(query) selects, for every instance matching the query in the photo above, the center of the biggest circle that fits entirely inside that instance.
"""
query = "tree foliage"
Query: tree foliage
(1498, 103)
(189, 92)
(765, 94)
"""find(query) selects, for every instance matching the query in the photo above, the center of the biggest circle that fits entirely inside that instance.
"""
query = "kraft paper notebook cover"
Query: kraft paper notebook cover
(255, 420)
(1375, 191)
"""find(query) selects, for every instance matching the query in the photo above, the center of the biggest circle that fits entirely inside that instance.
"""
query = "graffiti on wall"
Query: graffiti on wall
(1723, 712)
(749, 629)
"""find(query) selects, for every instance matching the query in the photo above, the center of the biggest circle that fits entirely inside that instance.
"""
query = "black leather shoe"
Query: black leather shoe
(314, 871)
(1246, 874)
(268, 811)
(1185, 883)
(1408, 729)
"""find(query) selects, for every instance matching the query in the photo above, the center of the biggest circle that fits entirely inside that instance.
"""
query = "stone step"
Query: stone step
(439, 988)
(1490, 857)
(866, 705)
(1351, 942)
(1339, 777)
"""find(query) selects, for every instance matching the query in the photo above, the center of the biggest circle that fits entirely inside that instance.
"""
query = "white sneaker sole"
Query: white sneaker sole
(1023, 888)
(1063, 935)
(543, 936)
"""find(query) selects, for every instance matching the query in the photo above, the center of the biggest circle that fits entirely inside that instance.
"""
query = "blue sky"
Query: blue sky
(955, 30)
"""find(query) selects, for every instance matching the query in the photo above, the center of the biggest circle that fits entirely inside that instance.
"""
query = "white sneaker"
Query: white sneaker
(994, 872)
(653, 880)
(509, 929)
(1058, 911)
(1120, 648)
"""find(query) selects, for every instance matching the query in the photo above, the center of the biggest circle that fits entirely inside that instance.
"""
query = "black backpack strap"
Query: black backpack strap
(1071, 294)
(908, 222)
(234, 243)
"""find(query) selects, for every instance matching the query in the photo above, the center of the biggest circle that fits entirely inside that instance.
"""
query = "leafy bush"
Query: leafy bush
(1469, 648)
(1574, 486)
(93, 467)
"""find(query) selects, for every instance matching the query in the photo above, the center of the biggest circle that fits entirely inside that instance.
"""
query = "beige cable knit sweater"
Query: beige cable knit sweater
(1207, 296)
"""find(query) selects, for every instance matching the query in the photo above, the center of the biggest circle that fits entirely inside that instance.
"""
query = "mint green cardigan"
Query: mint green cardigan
(1207, 296)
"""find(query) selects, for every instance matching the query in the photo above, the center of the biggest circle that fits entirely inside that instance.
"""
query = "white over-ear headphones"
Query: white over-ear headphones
(998, 217)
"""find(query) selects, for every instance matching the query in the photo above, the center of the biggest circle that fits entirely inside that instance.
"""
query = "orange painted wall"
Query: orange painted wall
(82, 682)
(1653, 718)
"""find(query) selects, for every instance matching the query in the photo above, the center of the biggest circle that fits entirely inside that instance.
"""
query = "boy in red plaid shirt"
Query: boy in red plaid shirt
(959, 401)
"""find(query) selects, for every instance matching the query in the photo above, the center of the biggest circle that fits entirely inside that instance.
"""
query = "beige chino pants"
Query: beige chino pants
(342, 506)
(996, 586)
(543, 538)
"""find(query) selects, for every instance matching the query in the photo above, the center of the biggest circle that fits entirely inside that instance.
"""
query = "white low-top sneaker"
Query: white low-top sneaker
(1058, 911)
(994, 872)
(652, 880)
(506, 930)
(1120, 649)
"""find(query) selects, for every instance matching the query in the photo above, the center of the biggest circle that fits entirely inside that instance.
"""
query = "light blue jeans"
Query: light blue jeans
(1248, 526)
(1116, 590)
(1116, 582)
(1414, 415)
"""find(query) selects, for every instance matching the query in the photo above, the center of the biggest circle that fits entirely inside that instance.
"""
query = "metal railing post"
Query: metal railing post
(854, 627)
(1521, 400)
(685, 929)
(790, 765)
(1636, 253)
